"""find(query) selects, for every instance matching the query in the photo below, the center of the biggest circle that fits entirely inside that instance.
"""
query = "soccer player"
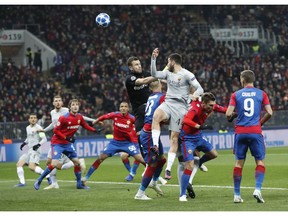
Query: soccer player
(191, 137)
(180, 82)
(248, 102)
(124, 138)
(153, 155)
(62, 142)
(137, 85)
(34, 141)
(64, 162)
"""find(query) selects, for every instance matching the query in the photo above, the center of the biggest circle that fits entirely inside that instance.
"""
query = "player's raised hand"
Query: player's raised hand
(155, 53)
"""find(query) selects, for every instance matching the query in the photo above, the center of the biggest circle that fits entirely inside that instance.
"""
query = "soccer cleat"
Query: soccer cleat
(82, 186)
(156, 188)
(203, 168)
(167, 174)
(238, 199)
(52, 186)
(20, 185)
(141, 197)
(163, 181)
(190, 191)
(183, 198)
(37, 184)
(129, 178)
(49, 181)
(257, 195)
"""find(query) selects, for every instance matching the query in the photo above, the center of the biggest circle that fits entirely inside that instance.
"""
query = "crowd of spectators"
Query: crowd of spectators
(93, 59)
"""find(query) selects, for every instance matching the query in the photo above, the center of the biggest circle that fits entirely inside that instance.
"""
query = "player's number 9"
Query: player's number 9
(249, 107)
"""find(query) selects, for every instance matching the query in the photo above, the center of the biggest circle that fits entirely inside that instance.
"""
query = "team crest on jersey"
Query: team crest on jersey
(69, 122)
(55, 153)
(79, 121)
(190, 151)
(58, 123)
(128, 122)
(133, 78)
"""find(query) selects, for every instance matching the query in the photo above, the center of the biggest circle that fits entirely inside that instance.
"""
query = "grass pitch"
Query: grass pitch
(110, 192)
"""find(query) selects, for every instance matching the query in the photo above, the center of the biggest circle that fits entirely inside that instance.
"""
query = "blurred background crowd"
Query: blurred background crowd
(91, 61)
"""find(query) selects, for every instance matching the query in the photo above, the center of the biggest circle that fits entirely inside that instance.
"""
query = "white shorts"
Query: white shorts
(175, 110)
(31, 157)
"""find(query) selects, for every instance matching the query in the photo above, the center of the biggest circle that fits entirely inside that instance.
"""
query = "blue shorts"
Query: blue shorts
(190, 142)
(66, 149)
(116, 146)
(254, 142)
(146, 143)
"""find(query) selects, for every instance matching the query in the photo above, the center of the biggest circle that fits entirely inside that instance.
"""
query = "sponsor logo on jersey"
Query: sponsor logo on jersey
(121, 125)
(73, 127)
(140, 87)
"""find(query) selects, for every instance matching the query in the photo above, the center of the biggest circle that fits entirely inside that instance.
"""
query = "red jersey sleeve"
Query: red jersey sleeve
(188, 118)
(85, 125)
(265, 99)
(106, 116)
(233, 100)
(220, 109)
(59, 125)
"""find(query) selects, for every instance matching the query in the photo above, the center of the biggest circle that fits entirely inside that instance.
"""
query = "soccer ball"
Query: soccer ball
(103, 20)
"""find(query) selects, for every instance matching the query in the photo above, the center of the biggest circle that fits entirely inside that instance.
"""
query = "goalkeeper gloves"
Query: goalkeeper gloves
(22, 145)
(36, 147)
(234, 115)
(155, 150)
(205, 127)
(70, 139)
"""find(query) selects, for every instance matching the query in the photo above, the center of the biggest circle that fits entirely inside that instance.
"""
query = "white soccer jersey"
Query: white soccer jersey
(178, 84)
(33, 137)
(55, 115)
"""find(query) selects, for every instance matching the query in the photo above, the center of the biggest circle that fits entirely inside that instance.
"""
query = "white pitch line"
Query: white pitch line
(167, 185)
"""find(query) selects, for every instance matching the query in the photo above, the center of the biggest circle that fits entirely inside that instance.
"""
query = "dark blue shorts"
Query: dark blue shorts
(254, 142)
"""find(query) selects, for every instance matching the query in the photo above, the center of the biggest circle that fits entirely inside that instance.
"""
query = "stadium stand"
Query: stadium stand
(94, 59)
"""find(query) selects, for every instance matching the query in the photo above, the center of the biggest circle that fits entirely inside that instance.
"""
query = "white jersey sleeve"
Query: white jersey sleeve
(33, 137)
(55, 115)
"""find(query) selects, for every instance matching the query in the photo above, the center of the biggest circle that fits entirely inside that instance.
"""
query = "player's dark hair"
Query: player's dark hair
(248, 76)
(176, 57)
(57, 96)
(208, 96)
(32, 114)
(73, 101)
(131, 59)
